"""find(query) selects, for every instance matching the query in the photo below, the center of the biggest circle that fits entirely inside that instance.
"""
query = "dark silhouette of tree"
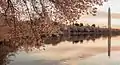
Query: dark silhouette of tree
(76, 24)
(81, 41)
(81, 24)
(93, 25)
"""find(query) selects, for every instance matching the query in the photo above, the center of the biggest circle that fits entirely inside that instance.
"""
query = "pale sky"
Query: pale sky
(114, 4)
(102, 17)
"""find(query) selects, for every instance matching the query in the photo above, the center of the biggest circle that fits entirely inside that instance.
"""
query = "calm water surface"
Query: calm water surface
(85, 52)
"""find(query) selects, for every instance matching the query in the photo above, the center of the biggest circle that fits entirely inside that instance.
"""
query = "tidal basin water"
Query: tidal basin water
(83, 52)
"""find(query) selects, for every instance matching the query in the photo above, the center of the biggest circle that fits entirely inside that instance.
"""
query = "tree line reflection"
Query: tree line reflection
(75, 38)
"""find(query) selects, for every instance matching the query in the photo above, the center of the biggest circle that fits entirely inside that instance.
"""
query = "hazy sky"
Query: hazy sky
(101, 18)
(114, 4)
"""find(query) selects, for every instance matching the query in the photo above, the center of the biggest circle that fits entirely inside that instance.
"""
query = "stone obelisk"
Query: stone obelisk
(109, 31)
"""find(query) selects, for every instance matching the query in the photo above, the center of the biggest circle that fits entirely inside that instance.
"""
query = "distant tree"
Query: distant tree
(81, 41)
(77, 41)
(81, 24)
(93, 25)
(76, 24)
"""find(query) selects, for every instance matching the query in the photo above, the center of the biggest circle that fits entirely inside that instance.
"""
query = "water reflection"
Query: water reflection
(7, 50)
(109, 44)
(102, 59)
(75, 39)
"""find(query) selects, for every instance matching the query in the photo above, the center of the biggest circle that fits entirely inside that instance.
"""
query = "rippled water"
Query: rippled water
(68, 52)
